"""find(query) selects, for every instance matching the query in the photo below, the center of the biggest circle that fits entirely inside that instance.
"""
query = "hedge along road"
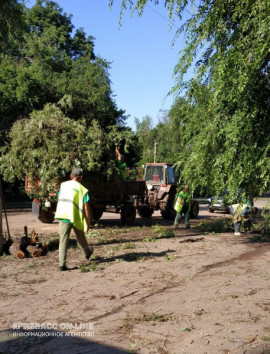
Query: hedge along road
(18, 218)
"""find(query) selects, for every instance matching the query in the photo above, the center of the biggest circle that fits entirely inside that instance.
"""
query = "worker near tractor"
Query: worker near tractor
(182, 206)
(73, 212)
(121, 164)
(242, 212)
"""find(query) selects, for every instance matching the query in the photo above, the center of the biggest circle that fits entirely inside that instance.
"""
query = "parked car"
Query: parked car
(221, 203)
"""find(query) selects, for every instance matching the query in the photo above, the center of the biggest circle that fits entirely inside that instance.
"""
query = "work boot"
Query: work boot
(63, 268)
(91, 251)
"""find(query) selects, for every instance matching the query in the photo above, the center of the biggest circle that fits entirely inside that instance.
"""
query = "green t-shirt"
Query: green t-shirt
(185, 196)
(122, 166)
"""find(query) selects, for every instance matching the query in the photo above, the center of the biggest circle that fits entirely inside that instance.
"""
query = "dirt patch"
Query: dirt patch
(147, 289)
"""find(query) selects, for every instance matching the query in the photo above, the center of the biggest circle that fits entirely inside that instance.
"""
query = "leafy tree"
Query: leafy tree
(11, 19)
(225, 140)
(167, 139)
(50, 61)
(165, 135)
(146, 138)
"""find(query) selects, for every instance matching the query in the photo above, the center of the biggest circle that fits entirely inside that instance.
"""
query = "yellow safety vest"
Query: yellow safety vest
(70, 204)
(237, 209)
(186, 200)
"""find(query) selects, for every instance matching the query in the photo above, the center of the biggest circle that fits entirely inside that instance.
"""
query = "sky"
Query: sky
(140, 51)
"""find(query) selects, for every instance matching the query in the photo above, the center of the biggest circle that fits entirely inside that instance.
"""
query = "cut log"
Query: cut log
(37, 253)
(34, 237)
(20, 255)
(33, 251)
(44, 249)
(15, 250)
(28, 247)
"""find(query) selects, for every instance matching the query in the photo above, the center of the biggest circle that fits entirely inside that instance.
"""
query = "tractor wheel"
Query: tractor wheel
(145, 211)
(128, 214)
(194, 210)
(166, 207)
(46, 216)
(168, 214)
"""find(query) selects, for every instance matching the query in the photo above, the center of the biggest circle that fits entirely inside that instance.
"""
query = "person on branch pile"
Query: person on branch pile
(241, 212)
(120, 161)
(73, 212)
(182, 206)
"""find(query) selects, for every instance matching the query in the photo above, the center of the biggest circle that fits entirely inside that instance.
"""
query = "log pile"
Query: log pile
(28, 246)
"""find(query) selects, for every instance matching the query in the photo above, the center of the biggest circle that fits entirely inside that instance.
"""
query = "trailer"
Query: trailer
(116, 197)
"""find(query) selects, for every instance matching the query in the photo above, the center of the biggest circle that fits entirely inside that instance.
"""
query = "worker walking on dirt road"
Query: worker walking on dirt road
(182, 206)
(73, 212)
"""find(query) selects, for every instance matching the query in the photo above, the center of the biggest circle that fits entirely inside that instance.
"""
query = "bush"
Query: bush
(265, 225)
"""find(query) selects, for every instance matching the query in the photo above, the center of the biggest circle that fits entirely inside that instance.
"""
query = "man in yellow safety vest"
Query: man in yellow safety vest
(182, 206)
(73, 212)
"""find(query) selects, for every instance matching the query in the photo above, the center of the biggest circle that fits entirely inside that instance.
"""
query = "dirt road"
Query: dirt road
(148, 289)
(18, 218)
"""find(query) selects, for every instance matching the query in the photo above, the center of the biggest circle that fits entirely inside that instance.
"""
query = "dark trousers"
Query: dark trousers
(178, 218)
(65, 230)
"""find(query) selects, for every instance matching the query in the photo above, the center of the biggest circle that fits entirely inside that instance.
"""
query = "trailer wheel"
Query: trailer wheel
(194, 209)
(145, 211)
(96, 213)
(128, 214)
(46, 216)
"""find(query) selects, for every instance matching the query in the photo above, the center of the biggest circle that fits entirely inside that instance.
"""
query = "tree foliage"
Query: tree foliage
(48, 145)
(225, 137)
(11, 20)
(146, 137)
(48, 60)
(162, 138)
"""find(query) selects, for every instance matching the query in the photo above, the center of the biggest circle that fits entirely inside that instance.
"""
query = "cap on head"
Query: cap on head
(77, 172)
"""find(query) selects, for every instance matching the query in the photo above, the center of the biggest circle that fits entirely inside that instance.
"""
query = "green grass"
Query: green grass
(91, 268)
(154, 317)
(217, 226)
(163, 232)
(29, 266)
(129, 245)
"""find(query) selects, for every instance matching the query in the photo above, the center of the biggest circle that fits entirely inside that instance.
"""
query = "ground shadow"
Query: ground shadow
(53, 341)
(133, 256)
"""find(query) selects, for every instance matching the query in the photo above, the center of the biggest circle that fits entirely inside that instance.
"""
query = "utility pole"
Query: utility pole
(155, 151)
